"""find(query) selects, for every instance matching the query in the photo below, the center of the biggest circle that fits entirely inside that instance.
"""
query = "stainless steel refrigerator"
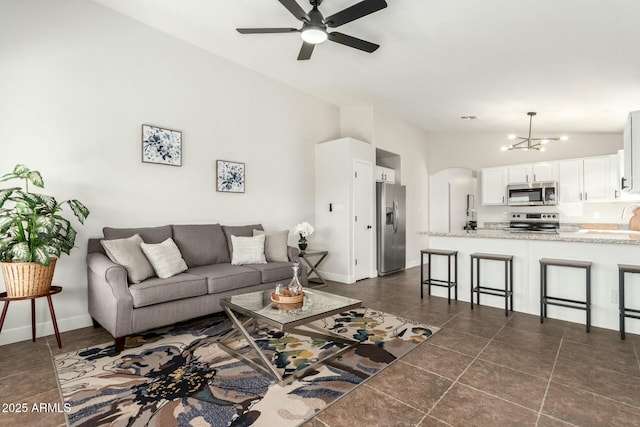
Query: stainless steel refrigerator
(391, 227)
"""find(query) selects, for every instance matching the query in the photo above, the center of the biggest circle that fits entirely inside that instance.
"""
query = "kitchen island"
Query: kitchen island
(605, 248)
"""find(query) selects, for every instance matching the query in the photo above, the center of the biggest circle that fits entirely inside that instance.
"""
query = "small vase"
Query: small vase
(295, 287)
(302, 246)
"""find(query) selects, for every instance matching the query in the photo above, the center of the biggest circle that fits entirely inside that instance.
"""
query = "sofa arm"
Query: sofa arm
(110, 301)
(293, 253)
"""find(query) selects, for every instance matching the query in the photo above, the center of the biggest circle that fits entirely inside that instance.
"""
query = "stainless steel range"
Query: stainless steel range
(522, 222)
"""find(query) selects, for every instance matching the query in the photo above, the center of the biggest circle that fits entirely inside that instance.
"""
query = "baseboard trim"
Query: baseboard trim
(23, 333)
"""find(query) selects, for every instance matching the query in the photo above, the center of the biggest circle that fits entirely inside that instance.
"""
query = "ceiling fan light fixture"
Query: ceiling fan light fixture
(314, 35)
(564, 138)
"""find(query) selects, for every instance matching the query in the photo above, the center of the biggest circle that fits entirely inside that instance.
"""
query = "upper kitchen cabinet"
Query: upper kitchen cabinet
(493, 185)
(533, 172)
(385, 175)
(587, 179)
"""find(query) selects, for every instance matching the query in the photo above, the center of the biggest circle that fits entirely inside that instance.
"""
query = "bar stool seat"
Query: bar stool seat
(545, 299)
(478, 289)
(429, 281)
(624, 311)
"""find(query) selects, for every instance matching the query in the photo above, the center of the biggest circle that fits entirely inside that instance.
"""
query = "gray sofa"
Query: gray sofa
(124, 308)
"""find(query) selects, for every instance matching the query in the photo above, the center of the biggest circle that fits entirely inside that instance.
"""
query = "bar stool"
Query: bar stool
(564, 302)
(624, 311)
(507, 292)
(438, 282)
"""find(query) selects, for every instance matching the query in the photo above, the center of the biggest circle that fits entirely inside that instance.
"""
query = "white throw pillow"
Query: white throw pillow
(127, 252)
(165, 258)
(248, 250)
(275, 245)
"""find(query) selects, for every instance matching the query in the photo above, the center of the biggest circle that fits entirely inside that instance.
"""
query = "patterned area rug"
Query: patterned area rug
(179, 376)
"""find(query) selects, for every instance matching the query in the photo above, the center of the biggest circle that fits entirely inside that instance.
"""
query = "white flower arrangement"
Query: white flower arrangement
(304, 230)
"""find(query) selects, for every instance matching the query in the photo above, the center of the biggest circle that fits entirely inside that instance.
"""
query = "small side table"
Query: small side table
(54, 290)
(306, 256)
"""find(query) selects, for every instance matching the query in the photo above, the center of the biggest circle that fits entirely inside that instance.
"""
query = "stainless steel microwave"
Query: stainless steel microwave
(532, 194)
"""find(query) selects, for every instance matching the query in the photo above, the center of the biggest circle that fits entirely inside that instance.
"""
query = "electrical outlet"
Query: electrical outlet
(614, 296)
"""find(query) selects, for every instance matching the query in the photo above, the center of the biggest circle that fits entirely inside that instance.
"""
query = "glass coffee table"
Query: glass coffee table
(255, 310)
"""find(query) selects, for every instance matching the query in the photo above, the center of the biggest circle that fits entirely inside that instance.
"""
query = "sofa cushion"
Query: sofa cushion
(201, 244)
(240, 231)
(156, 290)
(128, 253)
(165, 258)
(225, 277)
(273, 271)
(248, 250)
(275, 245)
(148, 234)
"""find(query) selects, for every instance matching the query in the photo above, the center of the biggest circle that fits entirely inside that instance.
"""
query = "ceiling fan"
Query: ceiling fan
(314, 25)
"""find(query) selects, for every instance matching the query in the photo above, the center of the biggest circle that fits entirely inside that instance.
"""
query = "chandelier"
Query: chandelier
(528, 143)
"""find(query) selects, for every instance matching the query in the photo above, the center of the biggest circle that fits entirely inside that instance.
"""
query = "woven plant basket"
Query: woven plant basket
(25, 279)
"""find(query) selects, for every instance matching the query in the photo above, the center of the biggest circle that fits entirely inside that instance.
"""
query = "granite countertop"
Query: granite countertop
(624, 237)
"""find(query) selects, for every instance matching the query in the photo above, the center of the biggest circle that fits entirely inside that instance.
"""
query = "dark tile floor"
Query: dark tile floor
(481, 369)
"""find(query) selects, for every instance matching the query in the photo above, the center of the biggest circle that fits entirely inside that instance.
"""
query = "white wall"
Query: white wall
(394, 135)
(79, 80)
(481, 150)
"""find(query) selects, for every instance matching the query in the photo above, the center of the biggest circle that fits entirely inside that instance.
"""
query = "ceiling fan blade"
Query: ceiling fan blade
(305, 51)
(265, 30)
(354, 12)
(295, 9)
(353, 42)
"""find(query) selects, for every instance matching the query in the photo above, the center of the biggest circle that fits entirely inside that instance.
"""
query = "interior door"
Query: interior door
(363, 219)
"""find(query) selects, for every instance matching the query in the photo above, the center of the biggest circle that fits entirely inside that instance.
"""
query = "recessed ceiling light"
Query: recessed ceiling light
(469, 117)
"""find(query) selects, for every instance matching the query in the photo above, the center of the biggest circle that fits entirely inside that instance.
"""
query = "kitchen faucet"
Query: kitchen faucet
(624, 210)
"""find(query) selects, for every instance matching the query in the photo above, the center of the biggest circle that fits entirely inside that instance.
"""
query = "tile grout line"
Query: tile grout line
(467, 368)
(546, 391)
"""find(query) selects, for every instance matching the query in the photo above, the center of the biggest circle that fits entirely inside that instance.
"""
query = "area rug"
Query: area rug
(178, 376)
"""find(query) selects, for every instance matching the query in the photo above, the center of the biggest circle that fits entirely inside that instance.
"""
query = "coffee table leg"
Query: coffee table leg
(55, 322)
(265, 364)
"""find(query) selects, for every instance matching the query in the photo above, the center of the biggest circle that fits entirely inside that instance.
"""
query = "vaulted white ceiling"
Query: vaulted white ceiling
(575, 62)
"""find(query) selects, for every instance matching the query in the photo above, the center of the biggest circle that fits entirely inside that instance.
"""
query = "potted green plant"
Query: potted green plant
(33, 234)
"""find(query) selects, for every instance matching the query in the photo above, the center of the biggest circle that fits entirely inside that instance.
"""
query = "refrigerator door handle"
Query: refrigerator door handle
(396, 215)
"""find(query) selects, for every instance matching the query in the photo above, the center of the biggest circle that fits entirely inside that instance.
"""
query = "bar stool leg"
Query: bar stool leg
(471, 282)
(542, 293)
(455, 259)
(429, 274)
(421, 275)
(511, 282)
(620, 302)
(449, 279)
(588, 272)
(506, 289)
(478, 280)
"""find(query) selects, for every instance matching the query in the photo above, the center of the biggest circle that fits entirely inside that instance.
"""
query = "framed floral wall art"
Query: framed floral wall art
(230, 176)
(162, 146)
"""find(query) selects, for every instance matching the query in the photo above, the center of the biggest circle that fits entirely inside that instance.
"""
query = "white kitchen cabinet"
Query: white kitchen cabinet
(494, 185)
(587, 179)
(533, 172)
(385, 175)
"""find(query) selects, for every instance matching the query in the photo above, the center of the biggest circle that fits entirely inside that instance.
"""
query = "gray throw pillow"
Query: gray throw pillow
(275, 245)
(128, 253)
(248, 250)
(165, 258)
